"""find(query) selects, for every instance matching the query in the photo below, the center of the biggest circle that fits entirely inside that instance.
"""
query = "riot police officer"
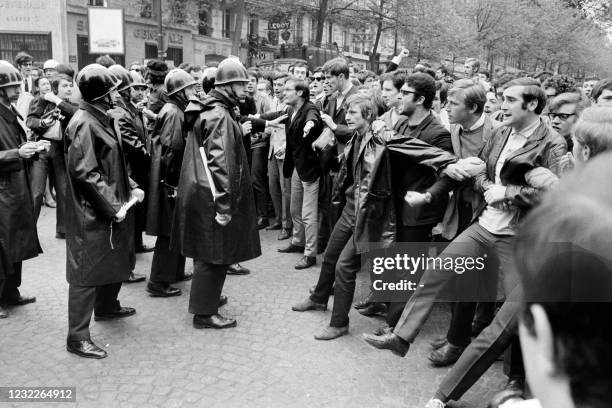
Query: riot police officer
(99, 227)
(168, 145)
(215, 221)
(18, 236)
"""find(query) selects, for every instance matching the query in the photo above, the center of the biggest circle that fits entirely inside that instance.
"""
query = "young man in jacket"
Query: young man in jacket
(524, 143)
(99, 226)
(48, 117)
(368, 154)
(215, 221)
(18, 236)
(168, 145)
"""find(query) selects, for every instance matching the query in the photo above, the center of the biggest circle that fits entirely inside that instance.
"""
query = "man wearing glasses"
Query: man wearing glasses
(564, 111)
(317, 94)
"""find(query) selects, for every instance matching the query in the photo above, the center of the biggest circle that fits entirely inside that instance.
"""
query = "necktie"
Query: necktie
(27, 88)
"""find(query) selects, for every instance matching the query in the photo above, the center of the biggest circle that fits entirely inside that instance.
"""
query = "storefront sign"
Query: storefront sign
(153, 35)
(106, 31)
(279, 26)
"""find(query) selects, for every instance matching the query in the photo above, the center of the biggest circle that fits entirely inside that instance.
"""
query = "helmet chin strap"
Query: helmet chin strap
(229, 90)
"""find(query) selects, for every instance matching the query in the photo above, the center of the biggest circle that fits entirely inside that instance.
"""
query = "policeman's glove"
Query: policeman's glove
(223, 219)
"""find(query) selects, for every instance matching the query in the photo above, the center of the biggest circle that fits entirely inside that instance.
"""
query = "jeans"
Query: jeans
(280, 192)
(51, 162)
(259, 172)
(304, 213)
(473, 242)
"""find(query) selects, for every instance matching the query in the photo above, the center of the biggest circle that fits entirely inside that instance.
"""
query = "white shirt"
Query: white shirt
(495, 220)
(479, 123)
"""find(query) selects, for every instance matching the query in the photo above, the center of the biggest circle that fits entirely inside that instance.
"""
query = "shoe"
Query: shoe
(215, 321)
(306, 262)
(135, 278)
(374, 309)
(275, 226)
(85, 348)
(262, 223)
(314, 287)
(117, 314)
(389, 341)
(60, 235)
(291, 248)
(435, 403)
(439, 342)
(308, 304)
(222, 301)
(330, 333)
(365, 302)
(19, 300)
(284, 234)
(141, 249)
(237, 269)
(162, 290)
(186, 277)
(513, 392)
(383, 330)
(446, 355)
(3, 312)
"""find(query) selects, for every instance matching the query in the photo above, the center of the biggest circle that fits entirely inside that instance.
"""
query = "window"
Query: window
(313, 30)
(85, 58)
(37, 45)
(204, 25)
(150, 50)
(176, 55)
(253, 26)
(227, 24)
(97, 3)
(330, 33)
(299, 27)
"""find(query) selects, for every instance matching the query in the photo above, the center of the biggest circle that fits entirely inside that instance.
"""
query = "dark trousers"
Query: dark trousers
(50, 163)
(483, 351)
(206, 287)
(280, 193)
(168, 266)
(9, 286)
(259, 173)
(474, 242)
(326, 219)
(419, 233)
(341, 234)
(83, 300)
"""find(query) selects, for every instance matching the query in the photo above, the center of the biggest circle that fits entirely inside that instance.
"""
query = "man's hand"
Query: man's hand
(456, 172)
(223, 219)
(120, 216)
(138, 193)
(28, 149)
(378, 125)
(279, 153)
(495, 194)
(472, 165)
(277, 123)
(329, 121)
(246, 127)
(149, 114)
(404, 53)
(416, 199)
(307, 127)
(567, 162)
(51, 97)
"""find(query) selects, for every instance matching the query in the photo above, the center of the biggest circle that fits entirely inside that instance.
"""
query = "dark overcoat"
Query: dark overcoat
(195, 232)
(99, 251)
(18, 236)
(167, 148)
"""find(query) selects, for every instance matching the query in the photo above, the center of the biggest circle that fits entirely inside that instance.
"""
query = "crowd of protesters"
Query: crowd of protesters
(338, 162)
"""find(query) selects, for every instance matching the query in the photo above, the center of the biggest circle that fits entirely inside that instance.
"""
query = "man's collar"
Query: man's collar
(477, 124)
(100, 114)
(347, 90)
(528, 130)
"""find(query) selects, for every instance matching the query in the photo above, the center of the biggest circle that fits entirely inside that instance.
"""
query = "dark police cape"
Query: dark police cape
(213, 127)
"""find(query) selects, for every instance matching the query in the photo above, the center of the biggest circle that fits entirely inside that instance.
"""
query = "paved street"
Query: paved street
(156, 358)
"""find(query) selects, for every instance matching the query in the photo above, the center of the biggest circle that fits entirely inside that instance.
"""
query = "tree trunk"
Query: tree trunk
(239, 11)
(321, 17)
(379, 25)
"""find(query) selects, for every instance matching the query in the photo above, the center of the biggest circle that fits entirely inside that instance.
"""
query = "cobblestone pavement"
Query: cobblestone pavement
(156, 358)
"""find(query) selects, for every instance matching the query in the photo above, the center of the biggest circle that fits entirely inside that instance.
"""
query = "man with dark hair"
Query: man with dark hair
(24, 63)
(602, 92)
(300, 71)
(317, 94)
(441, 73)
(105, 61)
(556, 85)
(392, 83)
(521, 145)
(303, 126)
(208, 80)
